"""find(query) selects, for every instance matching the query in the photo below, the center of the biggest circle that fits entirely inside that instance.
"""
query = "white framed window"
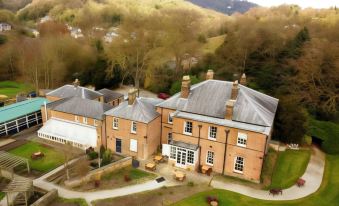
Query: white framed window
(173, 153)
(239, 164)
(133, 127)
(210, 158)
(84, 120)
(190, 157)
(115, 123)
(242, 139)
(133, 145)
(170, 118)
(76, 118)
(95, 122)
(188, 128)
(212, 132)
(169, 138)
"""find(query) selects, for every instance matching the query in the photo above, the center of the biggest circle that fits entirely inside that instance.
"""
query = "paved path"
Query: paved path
(90, 196)
(313, 176)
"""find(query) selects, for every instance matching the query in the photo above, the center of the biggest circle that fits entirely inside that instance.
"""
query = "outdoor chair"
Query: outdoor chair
(275, 191)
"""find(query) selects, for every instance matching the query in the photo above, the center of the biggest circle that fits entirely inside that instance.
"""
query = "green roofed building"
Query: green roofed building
(19, 116)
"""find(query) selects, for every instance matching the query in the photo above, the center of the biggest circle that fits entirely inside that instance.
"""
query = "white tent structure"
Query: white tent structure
(62, 131)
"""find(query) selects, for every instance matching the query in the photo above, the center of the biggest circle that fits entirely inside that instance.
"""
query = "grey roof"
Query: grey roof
(143, 110)
(110, 95)
(209, 98)
(72, 91)
(80, 106)
(185, 145)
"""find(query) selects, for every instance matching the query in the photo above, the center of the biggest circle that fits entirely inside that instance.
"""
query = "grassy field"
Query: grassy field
(10, 88)
(69, 202)
(212, 44)
(268, 167)
(291, 165)
(52, 158)
(328, 193)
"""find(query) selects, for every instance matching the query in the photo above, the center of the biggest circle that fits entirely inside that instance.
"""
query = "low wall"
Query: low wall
(47, 199)
(127, 161)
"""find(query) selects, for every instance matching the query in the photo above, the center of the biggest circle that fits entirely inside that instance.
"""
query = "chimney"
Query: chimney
(209, 74)
(76, 83)
(185, 87)
(229, 109)
(235, 90)
(132, 95)
(243, 80)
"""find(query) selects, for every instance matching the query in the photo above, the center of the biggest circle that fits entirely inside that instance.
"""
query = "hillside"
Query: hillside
(13, 5)
(225, 6)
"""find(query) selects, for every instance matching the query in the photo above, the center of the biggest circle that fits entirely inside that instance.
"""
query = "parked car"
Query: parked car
(163, 96)
(31, 94)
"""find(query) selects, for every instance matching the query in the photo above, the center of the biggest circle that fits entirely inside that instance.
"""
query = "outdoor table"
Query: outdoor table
(180, 176)
(204, 169)
(158, 158)
(150, 166)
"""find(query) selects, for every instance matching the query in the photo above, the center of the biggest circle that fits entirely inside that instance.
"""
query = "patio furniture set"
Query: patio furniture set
(276, 191)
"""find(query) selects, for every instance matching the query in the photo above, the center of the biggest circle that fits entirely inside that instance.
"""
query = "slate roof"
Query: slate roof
(143, 110)
(80, 106)
(71, 91)
(110, 95)
(209, 98)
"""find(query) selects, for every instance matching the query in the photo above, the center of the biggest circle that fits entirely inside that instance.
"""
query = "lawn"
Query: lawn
(10, 88)
(51, 160)
(328, 193)
(69, 202)
(291, 164)
(268, 167)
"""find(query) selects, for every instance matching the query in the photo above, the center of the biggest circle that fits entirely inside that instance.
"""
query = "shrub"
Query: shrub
(190, 184)
(210, 199)
(3, 39)
(127, 178)
(92, 155)
(106, 157)
(176, 86)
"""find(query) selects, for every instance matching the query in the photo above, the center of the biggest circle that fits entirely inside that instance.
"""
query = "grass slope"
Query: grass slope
(51, 160)
(212, 44)
(10, 88)
(327, 194)
(291, 165)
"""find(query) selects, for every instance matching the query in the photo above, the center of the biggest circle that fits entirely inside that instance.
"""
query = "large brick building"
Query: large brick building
(215, 124)
(218, 124)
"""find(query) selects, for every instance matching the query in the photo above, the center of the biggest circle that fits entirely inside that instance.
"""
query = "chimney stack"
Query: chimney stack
(209, 74)
(243, 80)
(132, 95)
(235, 90)
(229, 109)
(185, 87)
(76, 83)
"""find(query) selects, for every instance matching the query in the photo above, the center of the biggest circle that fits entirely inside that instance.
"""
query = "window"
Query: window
(210, 157)
(134, 145)
(188, 128)
(190, 156)
(212, 134)
(134, 127)
(95, 122)
(115, 123)
(84, 120)
(239, 164)
(170, 119)
(76, 118)
(242, 140)
(170, 138)
(173, 153)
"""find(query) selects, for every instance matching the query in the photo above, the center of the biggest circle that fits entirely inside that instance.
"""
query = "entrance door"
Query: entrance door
(181, 157)
(118, 145)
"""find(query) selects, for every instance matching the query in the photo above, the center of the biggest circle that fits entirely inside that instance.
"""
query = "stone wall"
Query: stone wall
(47, 199)
(127, 161)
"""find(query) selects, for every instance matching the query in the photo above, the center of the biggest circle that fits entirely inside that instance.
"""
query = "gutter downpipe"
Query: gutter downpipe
(46, 116)
(227, 131)
(199, 168)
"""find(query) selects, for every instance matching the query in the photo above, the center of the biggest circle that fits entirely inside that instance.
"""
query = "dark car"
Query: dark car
(31, 94)
(163, 96)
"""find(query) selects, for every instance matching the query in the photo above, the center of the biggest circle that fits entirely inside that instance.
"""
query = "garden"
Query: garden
(51, 157)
